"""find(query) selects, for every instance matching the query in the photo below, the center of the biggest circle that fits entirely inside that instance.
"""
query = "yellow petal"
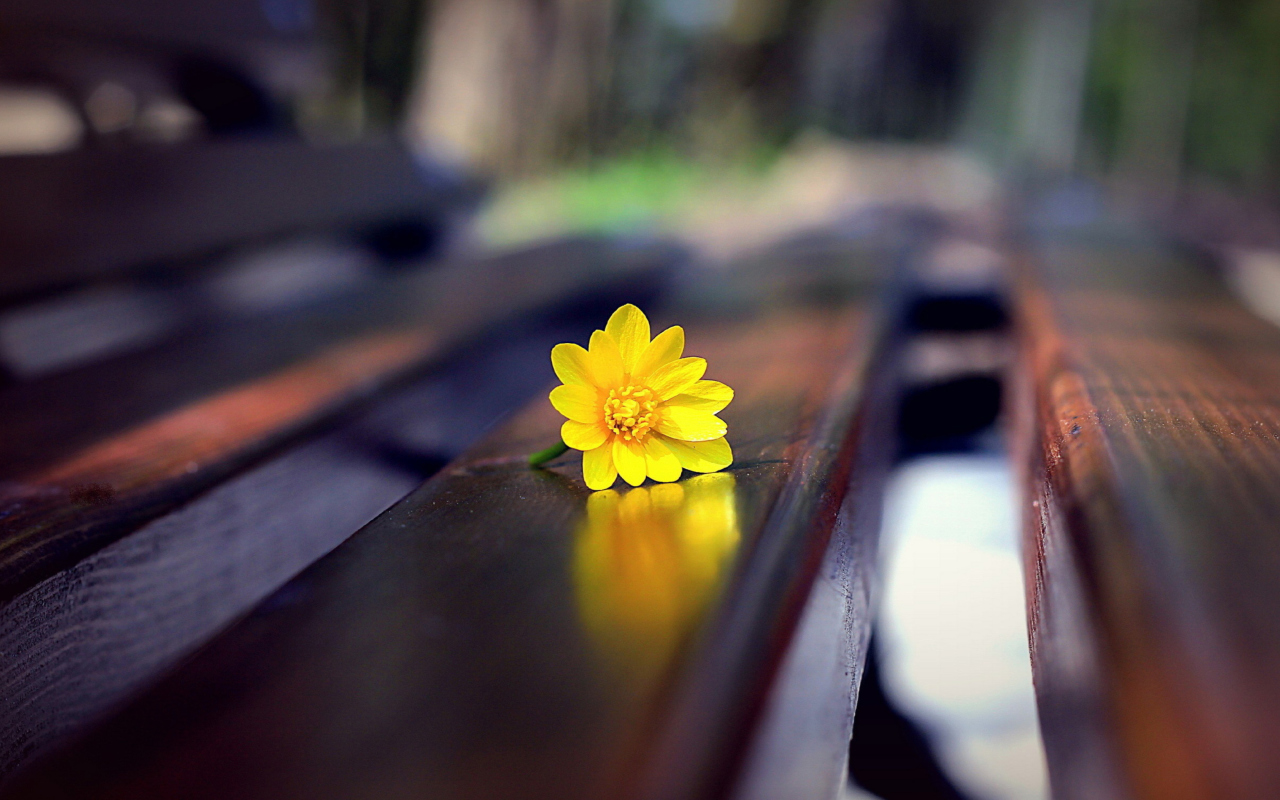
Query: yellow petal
(579, 403)
(690, 424)
(664, 349)
(710, 396)
(630, 329)
(709, 456)
(660, 462)
(628, 457)
(598, 471)
(572, 364)
(605, 360)
(674, 378)
(582, 435)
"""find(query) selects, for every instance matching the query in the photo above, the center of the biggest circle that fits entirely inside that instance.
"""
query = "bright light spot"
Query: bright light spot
(36, 121)
(167, 120)
(952, 630)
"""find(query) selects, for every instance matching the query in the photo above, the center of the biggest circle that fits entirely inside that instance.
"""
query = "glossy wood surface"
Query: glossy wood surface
(92, 453)
(1151, 433)
(800, 748)
(505, 632)
(83, 640)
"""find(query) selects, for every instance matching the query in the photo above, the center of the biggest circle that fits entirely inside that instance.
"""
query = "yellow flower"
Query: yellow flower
(636, 408)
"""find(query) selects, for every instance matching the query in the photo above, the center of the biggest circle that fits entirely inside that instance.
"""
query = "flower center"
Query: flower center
(629, 412)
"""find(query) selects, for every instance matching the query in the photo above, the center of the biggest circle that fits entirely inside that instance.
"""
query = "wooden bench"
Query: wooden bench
(88, 214)
(154, 489)
(1150, 435)
(502, 631)
(271, 492)
(90, 452)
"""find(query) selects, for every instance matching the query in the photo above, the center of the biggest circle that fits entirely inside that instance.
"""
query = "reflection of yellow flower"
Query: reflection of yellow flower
(636, 408)
(646, 564)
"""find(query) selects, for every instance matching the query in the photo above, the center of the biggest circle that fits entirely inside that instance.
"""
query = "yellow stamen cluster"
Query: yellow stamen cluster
(629, 412)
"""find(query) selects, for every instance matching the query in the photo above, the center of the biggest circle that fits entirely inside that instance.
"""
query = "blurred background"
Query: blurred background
(613, 113)
(728, 124)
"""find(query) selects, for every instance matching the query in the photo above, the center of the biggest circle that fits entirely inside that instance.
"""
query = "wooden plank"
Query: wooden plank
(90, 454)
(801, 746)
(92, 213)
(81, 641)
(1151, 436)
(504, 632)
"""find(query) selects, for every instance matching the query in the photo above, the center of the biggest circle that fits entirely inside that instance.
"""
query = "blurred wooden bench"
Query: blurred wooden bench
(88, 214)
(1151, 441)
(502, 631)
(155, 488)
(90, 452)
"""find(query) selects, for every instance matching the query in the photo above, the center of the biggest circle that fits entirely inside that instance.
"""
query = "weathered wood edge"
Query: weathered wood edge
(800, 747)
(1114, 682)
(1061, 631)
(701, 747)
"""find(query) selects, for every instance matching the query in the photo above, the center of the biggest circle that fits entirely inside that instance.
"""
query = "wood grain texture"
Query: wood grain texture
(81, 641)
(1151, 434)
(504, 632)
(92, 453)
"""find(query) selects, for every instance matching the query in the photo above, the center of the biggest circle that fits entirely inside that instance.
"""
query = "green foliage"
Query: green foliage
(617, 196)
(1233, 98)
(1235, 92)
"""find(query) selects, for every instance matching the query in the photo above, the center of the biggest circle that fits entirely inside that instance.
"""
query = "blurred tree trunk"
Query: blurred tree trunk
(372, 47)
(511, 84)
(519, 86)
(1051, 97)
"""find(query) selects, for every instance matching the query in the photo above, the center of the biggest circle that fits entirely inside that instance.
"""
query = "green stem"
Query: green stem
(543, 456)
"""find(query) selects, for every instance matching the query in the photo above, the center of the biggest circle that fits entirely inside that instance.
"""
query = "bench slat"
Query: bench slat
(92, 213)
(504, 632)
(83, 640)
(1151, 432)
(90, 454)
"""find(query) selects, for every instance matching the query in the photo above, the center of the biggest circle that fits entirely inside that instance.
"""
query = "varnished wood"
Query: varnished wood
(1151, 436)
(800, 747)
(502, 632)
(81, 641)
(89, 454)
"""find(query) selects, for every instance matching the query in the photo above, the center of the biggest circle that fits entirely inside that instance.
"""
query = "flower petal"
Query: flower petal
(598, 470)
(709, 456)
(664, 349)
(674, 378)
(690, 424)
(628, 457)
(710, 396)
(605, 361)
(582, 435)
(629, 327)
(579, 403)
(661, 464)
(572, 364)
